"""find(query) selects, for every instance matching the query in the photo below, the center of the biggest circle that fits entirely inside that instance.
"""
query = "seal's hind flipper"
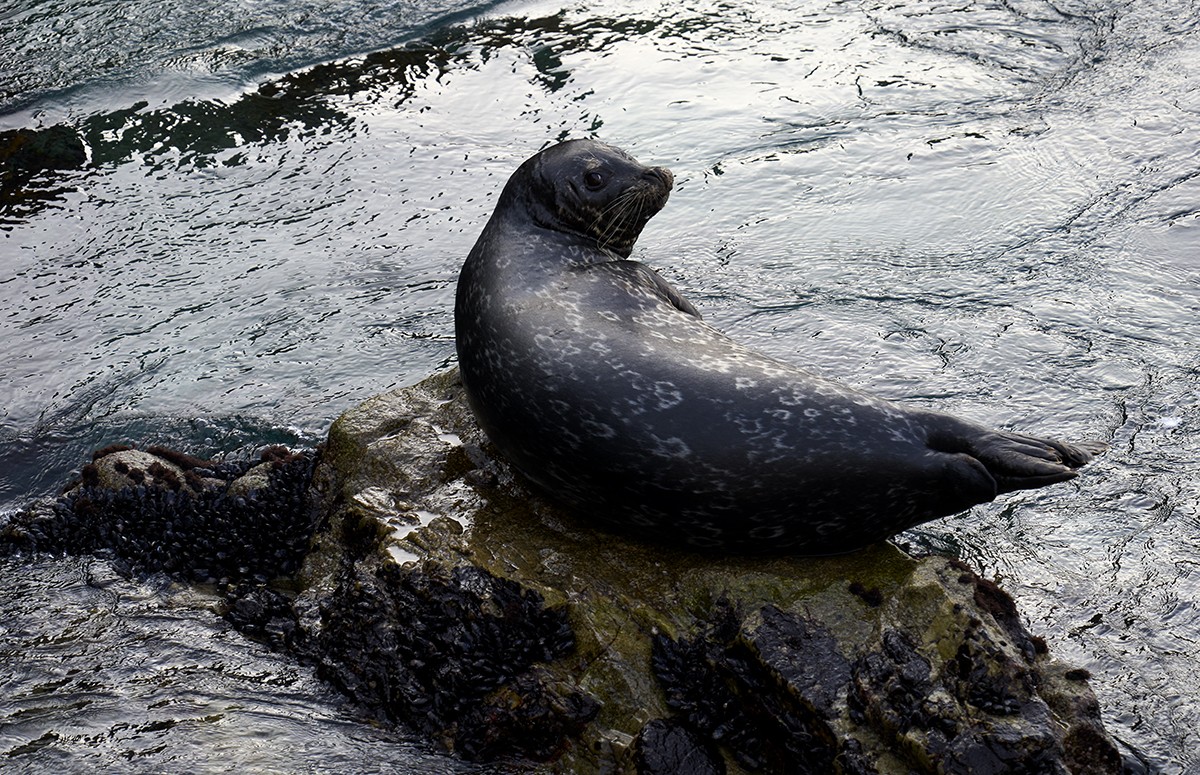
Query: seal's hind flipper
(1019, 462)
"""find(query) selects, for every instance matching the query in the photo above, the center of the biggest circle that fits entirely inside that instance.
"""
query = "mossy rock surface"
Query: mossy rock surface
(442, 592)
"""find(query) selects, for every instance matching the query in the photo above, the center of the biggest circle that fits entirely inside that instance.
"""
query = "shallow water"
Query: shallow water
(107, 675)
(991, 209)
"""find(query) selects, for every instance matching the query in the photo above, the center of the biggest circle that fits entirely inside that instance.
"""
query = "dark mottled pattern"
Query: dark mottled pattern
(264, 613)
(603, 385)
(897, 691)
(775, 691)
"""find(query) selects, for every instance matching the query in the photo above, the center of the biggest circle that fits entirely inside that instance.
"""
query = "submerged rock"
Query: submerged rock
(443, 592)
(31, 150)
(30, 160)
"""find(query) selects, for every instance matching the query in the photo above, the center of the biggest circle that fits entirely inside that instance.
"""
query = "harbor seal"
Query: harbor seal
(601, 383)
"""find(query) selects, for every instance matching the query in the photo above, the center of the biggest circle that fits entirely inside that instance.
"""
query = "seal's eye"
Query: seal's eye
(594, 180)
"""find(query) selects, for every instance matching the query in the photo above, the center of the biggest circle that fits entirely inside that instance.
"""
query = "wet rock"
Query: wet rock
(669, 747)
(24, 151)
(29, 159)
(133, 468)
(452, 652)
(1087, 747)
(725, 684)
(159, 511)
(264, 613)
(443, 593)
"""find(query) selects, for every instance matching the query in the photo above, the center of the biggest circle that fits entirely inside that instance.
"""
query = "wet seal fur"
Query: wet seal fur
(602, 384)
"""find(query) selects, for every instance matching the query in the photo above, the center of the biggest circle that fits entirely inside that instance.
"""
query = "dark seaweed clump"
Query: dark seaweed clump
(454, 654)
(204, 536)
(725, 684)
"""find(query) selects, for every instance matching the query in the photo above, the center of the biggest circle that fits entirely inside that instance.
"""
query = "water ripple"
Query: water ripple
(982, 208)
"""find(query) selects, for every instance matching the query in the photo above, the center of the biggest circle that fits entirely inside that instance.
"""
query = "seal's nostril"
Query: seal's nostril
(662, 174)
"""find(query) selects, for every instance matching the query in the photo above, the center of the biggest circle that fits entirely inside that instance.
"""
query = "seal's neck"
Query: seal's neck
(516, 234)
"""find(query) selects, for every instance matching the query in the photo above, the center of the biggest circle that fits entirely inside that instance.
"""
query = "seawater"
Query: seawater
(989, 209)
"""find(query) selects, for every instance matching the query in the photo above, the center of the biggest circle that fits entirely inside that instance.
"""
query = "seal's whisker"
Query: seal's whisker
(625, 210)
(616, 211)
(615, 204)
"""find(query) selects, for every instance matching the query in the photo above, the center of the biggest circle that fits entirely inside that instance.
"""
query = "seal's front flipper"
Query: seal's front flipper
(672, 295)
(642, 275)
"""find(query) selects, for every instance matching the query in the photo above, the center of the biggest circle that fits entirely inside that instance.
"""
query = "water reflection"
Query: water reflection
(105, 674)
(985, 208)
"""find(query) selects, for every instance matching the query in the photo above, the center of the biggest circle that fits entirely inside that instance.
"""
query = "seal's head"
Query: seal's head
(589, 189)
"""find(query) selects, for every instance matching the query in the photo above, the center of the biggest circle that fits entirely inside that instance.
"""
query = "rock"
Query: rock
(255, 479)
(443, 593)
(29, 163)
(24, 151)
(670, 747)
(452, 651)
(134, 468)
(161, 511)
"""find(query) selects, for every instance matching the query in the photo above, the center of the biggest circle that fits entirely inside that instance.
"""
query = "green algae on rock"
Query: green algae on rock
(444, 593)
